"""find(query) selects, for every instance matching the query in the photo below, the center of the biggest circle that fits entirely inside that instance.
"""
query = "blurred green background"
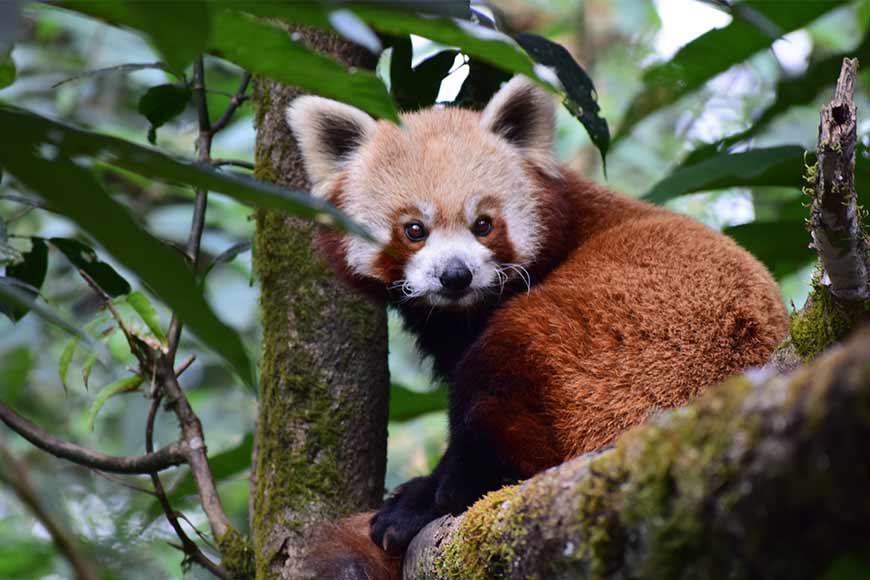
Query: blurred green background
(615, 41)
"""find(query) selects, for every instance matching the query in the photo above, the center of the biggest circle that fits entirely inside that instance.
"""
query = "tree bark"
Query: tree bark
(840, 295)
(765, 477)
(324, 384)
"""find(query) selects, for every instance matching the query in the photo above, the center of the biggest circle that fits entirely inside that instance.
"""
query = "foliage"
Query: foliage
(89, 185)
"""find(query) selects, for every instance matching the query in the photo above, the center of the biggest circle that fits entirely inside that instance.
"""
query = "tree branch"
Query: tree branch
(235, 102)
(188, 546)
(15, 475)
(835, 220)
(164, 458)
(764, 477)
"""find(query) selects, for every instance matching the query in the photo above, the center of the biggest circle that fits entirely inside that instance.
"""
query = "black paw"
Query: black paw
(405, 513)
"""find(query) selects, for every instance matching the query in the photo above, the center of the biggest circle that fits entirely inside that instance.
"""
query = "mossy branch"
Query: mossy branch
(840, 296)
(764, 477)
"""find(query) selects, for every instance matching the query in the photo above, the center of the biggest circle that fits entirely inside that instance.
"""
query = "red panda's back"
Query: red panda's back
(642, 316)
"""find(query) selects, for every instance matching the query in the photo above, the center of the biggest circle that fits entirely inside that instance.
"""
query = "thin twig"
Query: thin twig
(164, 458)
(15, 475)
(191, 427)
(188, 546)
(235, 162)
(235, 103)
(198, 221)
(120, 481)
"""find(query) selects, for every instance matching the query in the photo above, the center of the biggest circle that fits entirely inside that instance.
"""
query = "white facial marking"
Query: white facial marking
(423, 270)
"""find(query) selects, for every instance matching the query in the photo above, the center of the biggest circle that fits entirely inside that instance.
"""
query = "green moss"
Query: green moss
(237, 555)
(641, 511)
(488, 539)
(819, 324)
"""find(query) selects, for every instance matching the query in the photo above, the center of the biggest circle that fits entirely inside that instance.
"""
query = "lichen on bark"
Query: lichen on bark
(321, 429)
(765, 477)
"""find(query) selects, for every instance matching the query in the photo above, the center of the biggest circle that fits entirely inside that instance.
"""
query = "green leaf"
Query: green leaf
(88, 366)
(715, 52)
(122, 385)
(163, 103)
(406, 404)
(44, 136)
(7, 70)
(31, 271)
(65, 359)
(83, 200)
(488, 45)
(85, 258)
(223, 465)
(145, 310)
(781, 246)
(790, 92)
(782, 166)
(416, 88)
(16, 295)
(267, 50)
(26, 558)
(581, 98)
(179, 30)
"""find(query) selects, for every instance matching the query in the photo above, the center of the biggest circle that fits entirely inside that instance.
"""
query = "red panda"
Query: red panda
(560, 313)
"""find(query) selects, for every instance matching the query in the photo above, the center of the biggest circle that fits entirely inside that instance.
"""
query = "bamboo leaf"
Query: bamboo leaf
(122, 385)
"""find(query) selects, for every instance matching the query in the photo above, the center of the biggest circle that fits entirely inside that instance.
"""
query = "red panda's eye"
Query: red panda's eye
(415, 231)
(482, 226)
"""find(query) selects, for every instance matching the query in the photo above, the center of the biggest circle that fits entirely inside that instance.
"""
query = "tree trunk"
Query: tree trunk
(765, 477)
(324, 383)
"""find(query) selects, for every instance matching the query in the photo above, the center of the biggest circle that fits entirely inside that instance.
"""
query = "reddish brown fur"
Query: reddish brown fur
(364, 560)
(632, 309)
(648, 310)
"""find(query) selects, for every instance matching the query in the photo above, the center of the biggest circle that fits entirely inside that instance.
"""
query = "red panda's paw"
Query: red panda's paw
(405, 513)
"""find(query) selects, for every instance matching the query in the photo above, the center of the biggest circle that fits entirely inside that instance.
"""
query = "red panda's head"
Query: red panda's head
(451, 194)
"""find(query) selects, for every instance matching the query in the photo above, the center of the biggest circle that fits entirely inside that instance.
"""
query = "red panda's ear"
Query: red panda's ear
(328, 133)
(523, 114)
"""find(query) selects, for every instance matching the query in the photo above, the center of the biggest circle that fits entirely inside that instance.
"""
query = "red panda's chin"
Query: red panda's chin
(454, 301)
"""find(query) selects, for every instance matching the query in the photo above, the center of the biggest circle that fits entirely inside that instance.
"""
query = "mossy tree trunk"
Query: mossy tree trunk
(765, 477)
(321, 430)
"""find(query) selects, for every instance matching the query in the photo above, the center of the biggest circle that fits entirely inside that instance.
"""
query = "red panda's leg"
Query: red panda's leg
(499, 431)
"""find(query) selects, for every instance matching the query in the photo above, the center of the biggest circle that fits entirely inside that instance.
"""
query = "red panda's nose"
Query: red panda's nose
(456, 276)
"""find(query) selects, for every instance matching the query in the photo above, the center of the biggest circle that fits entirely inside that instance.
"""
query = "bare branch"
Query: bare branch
(188, 546)
(14, 473)
(835, 220)
(197, 458)
(235, 103)
(164, 458)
